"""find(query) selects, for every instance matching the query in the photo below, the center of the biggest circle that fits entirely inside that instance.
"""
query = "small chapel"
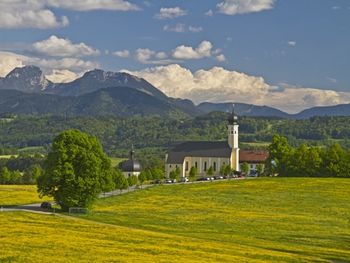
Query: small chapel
(215, 154)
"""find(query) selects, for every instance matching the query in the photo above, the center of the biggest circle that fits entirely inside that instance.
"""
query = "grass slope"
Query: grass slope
(19, 195)
(282, 219)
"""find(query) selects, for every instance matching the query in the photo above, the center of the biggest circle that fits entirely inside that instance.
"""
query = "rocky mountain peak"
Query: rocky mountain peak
(27, 79)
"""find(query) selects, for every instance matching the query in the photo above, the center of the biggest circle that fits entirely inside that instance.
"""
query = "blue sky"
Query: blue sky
(284, 49)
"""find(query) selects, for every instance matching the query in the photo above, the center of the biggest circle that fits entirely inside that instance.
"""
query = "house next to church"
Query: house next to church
(205, 154)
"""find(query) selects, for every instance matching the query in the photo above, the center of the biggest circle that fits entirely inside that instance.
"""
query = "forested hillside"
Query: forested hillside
(118, 134)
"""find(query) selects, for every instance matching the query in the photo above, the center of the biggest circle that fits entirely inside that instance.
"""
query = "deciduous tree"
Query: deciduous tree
(77, 170)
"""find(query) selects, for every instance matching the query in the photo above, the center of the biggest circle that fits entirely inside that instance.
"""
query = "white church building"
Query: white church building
(206, 154)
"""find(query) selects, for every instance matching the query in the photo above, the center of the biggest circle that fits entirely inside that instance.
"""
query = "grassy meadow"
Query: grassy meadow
(27, 237)
(259, 220)
(279, 219)
(19, 195)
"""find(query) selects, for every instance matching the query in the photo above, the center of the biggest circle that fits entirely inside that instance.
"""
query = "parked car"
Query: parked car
(184, 179)
(218, 177)
(168, 181)
(204, 179)
(173, 181)
(46, 205)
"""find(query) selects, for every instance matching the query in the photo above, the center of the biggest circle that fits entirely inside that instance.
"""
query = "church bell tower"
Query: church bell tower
(232, 130)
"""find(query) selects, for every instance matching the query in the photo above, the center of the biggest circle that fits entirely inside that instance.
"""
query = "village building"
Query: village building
(131, 166)
(206, 154)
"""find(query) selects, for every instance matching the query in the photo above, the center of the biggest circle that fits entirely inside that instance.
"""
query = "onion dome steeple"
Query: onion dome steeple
(233, 118)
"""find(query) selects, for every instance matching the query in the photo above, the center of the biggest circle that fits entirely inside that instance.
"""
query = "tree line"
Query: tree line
(307, 161)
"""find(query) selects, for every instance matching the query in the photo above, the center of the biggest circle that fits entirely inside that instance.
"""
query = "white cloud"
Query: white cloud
(148, 56)
(209, 13)
(122, 53)
(28, 14)
(195, 29)
(62, 76)
(185, 52)
(233, 7)
(221, 58)
(9, 61)
(220, 85)
(170, 13)
(38, 13)
(292, 43)
(65, 68)
(88, 5)
(61, 47)
(178, 28)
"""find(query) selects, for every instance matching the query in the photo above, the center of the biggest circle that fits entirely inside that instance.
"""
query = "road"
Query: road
(35, 208)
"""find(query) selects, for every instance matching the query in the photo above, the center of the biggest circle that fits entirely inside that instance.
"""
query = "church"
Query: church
(206, 154)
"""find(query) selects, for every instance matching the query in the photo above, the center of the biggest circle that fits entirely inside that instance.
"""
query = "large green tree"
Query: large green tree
(76, 170)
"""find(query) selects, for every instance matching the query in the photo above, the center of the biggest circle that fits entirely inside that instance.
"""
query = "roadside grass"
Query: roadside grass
(301, 219)
(19, 195)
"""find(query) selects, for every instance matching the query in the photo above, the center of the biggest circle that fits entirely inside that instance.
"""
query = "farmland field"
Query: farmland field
(274, 220)
(19, 195)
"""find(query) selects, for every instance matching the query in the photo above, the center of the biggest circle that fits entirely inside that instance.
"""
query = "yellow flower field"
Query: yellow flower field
(262, 220)
(308, 218)
(19, 195)
(27, 237)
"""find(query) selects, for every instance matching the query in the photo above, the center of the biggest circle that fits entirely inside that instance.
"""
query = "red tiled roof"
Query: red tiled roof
(253, 156)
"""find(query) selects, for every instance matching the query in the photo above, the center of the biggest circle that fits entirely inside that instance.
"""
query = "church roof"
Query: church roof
(219, 149)
(253, 156)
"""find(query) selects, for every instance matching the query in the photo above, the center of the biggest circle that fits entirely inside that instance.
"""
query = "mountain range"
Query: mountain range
(27, 91)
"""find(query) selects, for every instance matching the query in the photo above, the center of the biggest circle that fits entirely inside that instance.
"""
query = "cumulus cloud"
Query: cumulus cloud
(170, 13)
(220, 85)
(88, 5)
(181, 28)
(61, 47)
(28, 14)
(122, 53)
(64, 68)
(62, 76)
(209, 13)
(9, 61)
(148, 56)
(186, 52)
(178, 28)
(221, 58)
(38, 13)
(234, 7)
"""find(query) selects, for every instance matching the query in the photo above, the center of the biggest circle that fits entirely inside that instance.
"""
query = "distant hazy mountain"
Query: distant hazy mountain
(243, 109)
(338, 110)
